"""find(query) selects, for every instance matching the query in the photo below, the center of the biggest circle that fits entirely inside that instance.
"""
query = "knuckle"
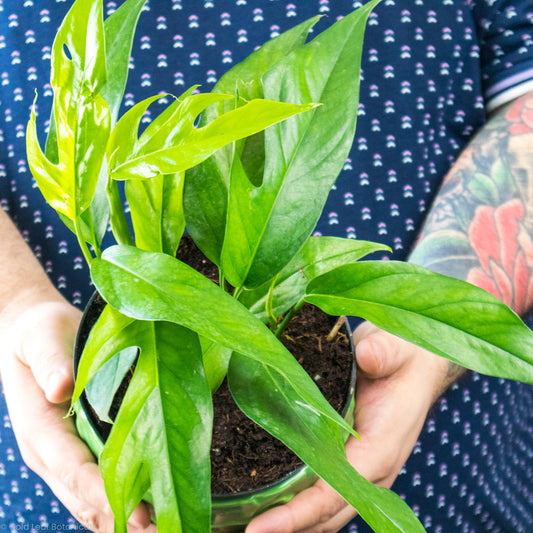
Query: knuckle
(91, 519)
(69, 480)
(387, 468)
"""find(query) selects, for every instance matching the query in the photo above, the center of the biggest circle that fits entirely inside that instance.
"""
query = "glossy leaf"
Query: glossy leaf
(320, 445)
(109, 336)
(318, 256)
(80, 114)
(207, 185)
(162, 432)
(267, 225)
(102, 388)
(156, 209)
(119, 30)
(167, 289)
(173, 143)
(448, 317)
(216, 360)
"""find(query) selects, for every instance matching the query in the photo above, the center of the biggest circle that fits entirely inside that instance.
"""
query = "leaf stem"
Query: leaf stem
(119, 225)
(288, 317)
(81, 241)
(272, 318)
(222, 279)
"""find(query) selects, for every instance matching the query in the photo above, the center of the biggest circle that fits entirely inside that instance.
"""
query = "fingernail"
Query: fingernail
(139, 520)
(55, 385)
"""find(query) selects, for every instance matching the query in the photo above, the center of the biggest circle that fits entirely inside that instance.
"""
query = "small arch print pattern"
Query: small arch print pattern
(428, 69)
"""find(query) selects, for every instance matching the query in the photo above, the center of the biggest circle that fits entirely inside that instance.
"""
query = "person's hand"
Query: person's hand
(397, 383)
(36, 368)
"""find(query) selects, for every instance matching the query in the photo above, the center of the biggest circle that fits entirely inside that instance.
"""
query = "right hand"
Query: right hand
(37, 375)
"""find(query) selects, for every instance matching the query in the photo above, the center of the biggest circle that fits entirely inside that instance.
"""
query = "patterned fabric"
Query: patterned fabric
(429, 69)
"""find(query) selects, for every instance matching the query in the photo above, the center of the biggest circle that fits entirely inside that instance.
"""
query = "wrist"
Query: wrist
(24, 299)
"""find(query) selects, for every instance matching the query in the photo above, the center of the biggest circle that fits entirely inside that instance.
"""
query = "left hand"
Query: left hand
(397, 383)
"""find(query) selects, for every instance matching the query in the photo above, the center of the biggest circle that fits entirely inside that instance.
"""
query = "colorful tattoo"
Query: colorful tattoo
(480, 227)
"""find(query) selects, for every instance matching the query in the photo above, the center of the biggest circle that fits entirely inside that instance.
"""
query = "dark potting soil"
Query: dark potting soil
(243, 455)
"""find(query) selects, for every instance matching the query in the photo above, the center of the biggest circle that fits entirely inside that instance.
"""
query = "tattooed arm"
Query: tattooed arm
(479, 229)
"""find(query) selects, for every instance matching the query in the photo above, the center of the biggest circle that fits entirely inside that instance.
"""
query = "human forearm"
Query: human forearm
(480, 226)
(23, 281)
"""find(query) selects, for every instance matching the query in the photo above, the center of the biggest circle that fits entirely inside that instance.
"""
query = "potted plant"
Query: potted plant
(239, 189)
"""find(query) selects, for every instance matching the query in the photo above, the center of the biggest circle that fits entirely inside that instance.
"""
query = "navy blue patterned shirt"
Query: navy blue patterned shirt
(431, 70)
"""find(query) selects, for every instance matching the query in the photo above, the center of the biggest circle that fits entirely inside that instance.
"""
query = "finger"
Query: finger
(49, 354)
(310, 508)
(378, 354)
(50, 446)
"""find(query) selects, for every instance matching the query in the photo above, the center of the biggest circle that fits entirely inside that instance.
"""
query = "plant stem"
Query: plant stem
(237, 292)
(81, 241)
(119, 225)
(221, 280)
(272, 318)
(288, 317)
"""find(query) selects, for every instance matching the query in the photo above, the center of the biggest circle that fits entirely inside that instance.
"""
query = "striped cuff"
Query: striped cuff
(509, 88)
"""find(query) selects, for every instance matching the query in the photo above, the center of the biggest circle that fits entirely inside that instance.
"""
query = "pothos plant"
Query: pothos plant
(250, 198)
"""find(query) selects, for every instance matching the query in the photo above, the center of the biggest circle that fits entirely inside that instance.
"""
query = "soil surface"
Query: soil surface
(243, 455)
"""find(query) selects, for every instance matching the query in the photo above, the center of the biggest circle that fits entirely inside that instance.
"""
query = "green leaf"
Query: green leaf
(205, 199)
(102, 388)
(109, 336)
(167, 289)
(173, 143)
(318, 256)
(124, 135)
(119, 30)
(216, 360)
(162, 433)
(316, 441)
(303, 155)
(81, 116)
(157, 212)
(206, 185)
(448, 317)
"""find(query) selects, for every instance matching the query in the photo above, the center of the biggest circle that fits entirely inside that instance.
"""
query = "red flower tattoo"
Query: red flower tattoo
(505, 253)
(520, 115)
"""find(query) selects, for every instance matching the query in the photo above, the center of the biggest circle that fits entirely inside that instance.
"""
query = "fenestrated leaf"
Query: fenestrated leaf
(125, 133)
(167, 289)
(81, 117)
(206, 185)
(173, 143)
(162, 432)
(448, 317)
(303, 155)
(318, 256)
(318, 443)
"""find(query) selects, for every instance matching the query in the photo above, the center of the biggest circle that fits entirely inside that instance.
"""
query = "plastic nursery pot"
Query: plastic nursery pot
(230, 512)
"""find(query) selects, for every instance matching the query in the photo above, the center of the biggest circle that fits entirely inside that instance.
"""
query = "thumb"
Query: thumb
(44, 341)
(378, 353)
